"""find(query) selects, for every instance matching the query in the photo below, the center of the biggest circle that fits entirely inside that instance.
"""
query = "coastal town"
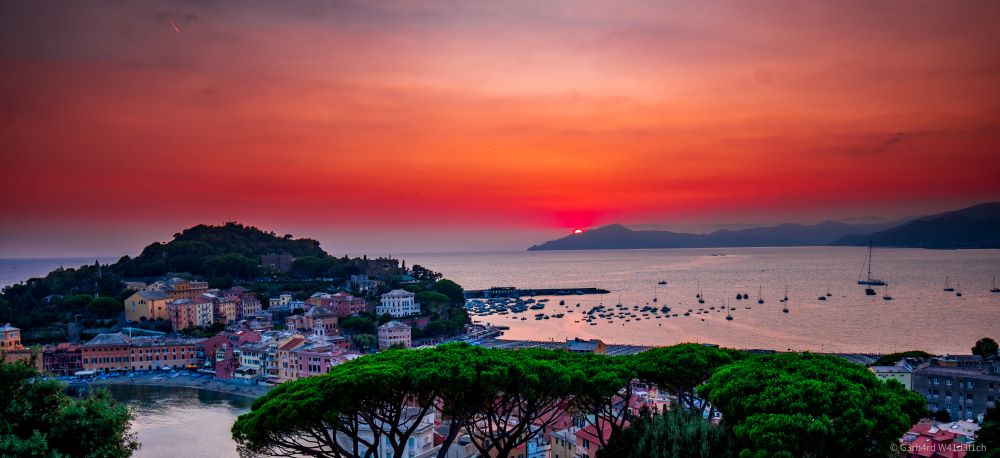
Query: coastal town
(260, 343)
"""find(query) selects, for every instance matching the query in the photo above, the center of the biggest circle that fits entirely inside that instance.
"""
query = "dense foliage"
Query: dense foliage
(682, 368)
(388, 394)
(676, 433)
(985, 347)
(213, 251)
(805, 405)
(988, 438)
(38, 419)
(773, 405)
(893, 358)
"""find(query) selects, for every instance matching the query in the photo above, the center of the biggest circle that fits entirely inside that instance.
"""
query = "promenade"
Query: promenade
(181, 379)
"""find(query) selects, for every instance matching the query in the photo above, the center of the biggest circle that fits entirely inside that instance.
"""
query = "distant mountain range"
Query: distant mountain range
(973, 227)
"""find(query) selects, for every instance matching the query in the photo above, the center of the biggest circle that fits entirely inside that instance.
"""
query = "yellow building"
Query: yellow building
(179, 288)
(595, 346)
(288, 364)
(151, 305)
(225, 308)
(564, 443)
(901, 374)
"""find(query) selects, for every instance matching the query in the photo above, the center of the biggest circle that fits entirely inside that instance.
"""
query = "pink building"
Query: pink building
(219, 349)
(340, 304)
(394, 333)
(317, 358)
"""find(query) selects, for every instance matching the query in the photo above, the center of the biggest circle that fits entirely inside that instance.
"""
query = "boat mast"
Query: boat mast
(869, 258)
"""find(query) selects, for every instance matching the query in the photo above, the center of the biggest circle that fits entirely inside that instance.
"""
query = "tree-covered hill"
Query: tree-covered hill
(230, 249)
(223, 253)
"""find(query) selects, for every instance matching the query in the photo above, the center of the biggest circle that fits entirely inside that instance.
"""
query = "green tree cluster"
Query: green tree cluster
(38, 419)
(988, 438)
(676, 433)
(985, 348)
(806, 405)
(231, 249)
(104, 307)
(785, 405)
(506, 397)
(893, 358)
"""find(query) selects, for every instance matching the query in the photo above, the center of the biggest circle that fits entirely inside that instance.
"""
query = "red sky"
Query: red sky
(411, 126)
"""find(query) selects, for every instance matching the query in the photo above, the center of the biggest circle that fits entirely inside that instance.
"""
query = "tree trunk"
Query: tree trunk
(452, 435)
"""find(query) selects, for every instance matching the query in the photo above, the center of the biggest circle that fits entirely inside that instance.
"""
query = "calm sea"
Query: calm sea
(922, 316)
(177, 421)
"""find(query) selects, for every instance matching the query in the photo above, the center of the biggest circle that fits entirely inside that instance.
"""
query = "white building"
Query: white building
(280, 301)
(421, 441)
(394, 333)
(398, 303)
(204, 311)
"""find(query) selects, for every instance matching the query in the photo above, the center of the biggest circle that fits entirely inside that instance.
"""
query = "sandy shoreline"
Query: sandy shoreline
(186, 381)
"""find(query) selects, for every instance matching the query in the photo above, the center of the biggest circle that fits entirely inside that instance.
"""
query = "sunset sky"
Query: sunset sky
(409, 126)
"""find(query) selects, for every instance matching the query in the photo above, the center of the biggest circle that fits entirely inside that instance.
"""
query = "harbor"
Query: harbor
(512, 292)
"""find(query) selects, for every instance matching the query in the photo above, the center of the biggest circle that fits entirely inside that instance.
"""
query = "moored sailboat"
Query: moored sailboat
(947, 286)
(870, 281)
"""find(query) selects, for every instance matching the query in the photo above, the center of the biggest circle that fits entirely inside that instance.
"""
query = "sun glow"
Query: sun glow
(578, 231)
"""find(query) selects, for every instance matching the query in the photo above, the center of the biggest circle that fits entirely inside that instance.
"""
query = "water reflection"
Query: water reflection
(182, 422)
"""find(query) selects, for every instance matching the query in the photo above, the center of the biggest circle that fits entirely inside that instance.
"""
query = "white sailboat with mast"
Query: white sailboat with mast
(870, 281)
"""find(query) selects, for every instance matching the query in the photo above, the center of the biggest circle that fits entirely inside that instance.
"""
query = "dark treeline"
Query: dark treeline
(772, 405)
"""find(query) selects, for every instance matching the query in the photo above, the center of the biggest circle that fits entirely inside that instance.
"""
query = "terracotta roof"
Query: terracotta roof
(292, 344)
(590, 433)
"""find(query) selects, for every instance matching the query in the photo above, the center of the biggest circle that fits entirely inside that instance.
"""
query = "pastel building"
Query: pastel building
(147, 305)
(185, 313)
(10, 338)
(118, 352)
(317, 358)
(313, 318)
(564, 443)
(178, 288)
(107, 352)
(222, 351)
(394, 333)
(62, 359)
(12, 350)
(902, 374)
(421, 441)
(340, 303)
(288, 363)
(150, 353)
(398, 303)
(280, 301)
(253, 357)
